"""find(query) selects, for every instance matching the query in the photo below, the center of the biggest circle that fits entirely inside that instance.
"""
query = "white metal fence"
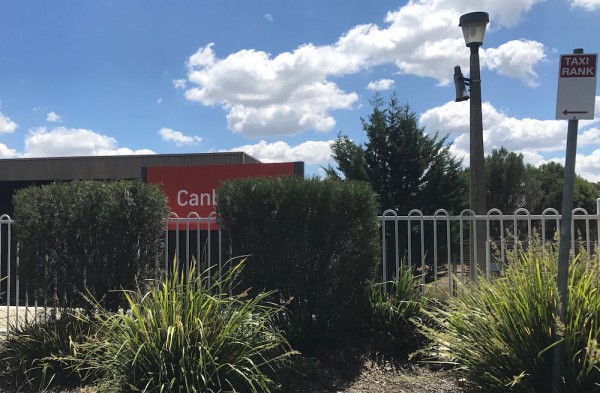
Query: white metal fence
(186, 240)
(437, 245)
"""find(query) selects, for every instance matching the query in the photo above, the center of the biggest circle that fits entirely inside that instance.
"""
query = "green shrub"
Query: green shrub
(315, 242)
(41, 354)
(87, 236)
(183, 336)
(499, 334)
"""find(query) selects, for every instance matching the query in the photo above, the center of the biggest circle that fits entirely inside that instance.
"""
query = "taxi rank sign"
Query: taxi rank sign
(576, 86)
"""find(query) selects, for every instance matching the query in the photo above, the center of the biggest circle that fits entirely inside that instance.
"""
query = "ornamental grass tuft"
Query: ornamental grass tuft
(42, 354)
(395, 303)
(186, 335)
(498, 334)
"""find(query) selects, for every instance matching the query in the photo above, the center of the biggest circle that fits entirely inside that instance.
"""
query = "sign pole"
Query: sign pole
(563, 251)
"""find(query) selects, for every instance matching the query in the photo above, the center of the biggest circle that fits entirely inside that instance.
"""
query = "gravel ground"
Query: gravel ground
(373, 378)
(377, 378)
(348, 370)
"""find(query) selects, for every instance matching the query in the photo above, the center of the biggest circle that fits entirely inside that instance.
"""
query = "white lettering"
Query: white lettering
(578, 71)
(582, 61)
(186, 198)
(181, 193)
(204, 197)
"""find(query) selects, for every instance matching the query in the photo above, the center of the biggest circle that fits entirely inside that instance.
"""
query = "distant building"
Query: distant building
(23, 172)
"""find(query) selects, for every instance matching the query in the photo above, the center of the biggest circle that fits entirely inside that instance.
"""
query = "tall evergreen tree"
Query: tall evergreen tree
(407, 168)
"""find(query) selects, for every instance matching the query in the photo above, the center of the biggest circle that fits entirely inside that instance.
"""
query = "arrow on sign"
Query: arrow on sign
(568, 112)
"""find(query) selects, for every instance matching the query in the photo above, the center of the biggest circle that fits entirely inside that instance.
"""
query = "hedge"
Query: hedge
(314, 241)
(87, 237)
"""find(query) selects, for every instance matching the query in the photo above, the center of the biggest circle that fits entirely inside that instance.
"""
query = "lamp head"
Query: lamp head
(473, 26)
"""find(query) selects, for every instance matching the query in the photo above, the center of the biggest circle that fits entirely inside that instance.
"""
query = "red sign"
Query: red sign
(578, 66)
(192, 190)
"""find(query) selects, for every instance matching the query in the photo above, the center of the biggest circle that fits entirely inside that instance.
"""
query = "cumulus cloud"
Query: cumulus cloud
(588, 165)
(290, 92)
(53, 117)
(7, 125)
(269, 96)
(62, 142)
(516, 59)
(6, 152)
(170, 135)
(381, 85)
(589, 5)
(539, 141)
(499, 129)
(311, 152)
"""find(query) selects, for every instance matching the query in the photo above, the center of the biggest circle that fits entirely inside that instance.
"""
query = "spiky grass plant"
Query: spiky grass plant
(186, 336)
(41, 353)
(395, 303)
(499, 333)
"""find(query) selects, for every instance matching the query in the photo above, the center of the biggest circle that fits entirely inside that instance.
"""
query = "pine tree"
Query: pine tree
(407, 168)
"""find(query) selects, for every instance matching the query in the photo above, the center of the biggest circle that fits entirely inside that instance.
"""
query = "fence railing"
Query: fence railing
(186, 240)
(438, 246)
(441, 246)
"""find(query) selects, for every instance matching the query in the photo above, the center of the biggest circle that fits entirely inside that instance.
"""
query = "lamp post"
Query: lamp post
(473, 26)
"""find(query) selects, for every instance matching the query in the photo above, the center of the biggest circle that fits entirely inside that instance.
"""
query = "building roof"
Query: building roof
(108, 167)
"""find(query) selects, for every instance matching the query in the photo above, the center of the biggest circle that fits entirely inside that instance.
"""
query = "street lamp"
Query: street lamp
(473, 26)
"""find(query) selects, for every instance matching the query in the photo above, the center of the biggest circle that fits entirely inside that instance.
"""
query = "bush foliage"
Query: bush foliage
(314, 241)
(87, 236)
(499, 334)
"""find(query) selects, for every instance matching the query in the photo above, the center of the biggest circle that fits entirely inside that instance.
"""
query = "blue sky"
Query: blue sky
(280, 79)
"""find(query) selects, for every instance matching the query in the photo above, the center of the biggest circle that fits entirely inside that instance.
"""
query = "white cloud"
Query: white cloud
(381, 85)
(62, 141)
(170, 135)
(589, 5)
(179, 84)
(6, 152)
(311, 152)
(268, 17)
(539, 141)
(290, 92)
(53, 117)
(515, 59)
(159, 101)
(590, 136)
(7, 125)
(588, 166)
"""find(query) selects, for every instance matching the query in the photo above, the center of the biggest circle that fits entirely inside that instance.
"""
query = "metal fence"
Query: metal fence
(187, 240)
(440, 246)
(437, 246)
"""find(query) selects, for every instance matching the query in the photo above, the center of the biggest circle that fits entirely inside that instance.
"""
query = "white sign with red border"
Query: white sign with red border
(576, 96)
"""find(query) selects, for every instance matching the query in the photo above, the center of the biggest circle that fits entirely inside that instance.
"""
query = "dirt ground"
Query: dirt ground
(356, 367)
(373, 378)
(377, 378)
